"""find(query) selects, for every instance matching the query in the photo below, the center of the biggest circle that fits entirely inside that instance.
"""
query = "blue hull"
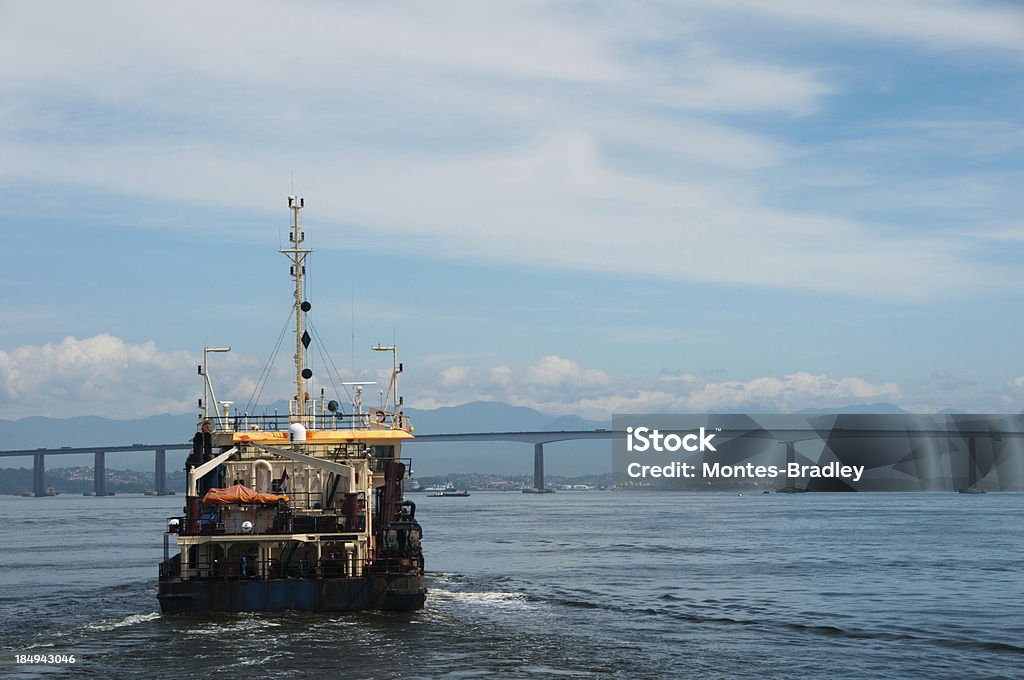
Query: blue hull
(390, 593)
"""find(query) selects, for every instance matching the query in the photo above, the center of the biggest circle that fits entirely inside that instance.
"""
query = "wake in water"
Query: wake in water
(132, 620)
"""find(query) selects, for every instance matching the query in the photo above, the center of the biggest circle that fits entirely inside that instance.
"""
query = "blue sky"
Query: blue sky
(580, 207)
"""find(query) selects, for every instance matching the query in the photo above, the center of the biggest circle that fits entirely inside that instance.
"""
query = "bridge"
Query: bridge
(974, 428)
(99, 463)
(538, 439)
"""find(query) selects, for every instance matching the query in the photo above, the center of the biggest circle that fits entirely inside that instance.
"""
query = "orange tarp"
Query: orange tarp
(239, 494)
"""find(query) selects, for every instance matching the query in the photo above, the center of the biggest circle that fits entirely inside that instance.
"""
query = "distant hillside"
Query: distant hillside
(570, 458)
(564, 458)
(876, 408)
(37, 431)
(478, 416)
(494, 416)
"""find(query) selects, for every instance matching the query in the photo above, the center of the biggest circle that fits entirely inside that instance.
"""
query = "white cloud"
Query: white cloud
(454, 375)
(559, 386)
(724, 85)
(106, 376)
(689, 394)
(501, 376)
(791, 392)
(101, 375)
(553, 372)
(533, 134)
(938, 23)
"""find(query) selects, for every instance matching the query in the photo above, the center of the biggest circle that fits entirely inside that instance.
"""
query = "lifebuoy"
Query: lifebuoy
(381, 416)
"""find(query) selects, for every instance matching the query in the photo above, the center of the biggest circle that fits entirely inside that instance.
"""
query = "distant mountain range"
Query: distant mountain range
(564, 458)
(569, 458)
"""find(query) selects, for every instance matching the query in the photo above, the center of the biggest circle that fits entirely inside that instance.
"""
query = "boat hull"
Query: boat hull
(389, 593)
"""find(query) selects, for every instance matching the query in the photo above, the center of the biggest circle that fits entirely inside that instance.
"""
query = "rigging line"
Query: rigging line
(265, 374)
(320, 348)
(277, 349)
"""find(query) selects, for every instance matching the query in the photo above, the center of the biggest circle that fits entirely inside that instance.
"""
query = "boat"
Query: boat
(448, 494)
(304, 512)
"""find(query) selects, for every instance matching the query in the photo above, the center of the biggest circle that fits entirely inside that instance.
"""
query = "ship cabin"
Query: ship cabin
(317, 497)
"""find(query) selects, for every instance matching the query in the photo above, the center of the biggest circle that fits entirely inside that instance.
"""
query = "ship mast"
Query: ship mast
(297, 255)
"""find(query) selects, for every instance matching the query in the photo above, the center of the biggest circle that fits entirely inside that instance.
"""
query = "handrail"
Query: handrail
(377, 419)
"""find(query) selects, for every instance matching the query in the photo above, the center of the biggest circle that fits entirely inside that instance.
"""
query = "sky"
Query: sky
(581, 207)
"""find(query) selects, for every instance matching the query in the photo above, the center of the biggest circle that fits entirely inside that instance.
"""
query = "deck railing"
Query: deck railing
(375, 420)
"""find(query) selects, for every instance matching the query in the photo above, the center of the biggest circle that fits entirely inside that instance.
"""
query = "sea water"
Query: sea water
(574, 584)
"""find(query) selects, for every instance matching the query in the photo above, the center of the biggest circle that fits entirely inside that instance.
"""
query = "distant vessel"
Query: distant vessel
(301, 513)
(52, 491)
(446, 494)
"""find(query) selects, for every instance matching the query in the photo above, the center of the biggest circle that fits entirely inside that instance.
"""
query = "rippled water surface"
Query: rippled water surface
(577, 584)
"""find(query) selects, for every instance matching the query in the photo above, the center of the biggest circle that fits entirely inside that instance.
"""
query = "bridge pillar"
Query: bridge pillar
(538, 467)
(38, 472)
(790, 481)
(972, 463)
(790, 459)
(99, 473)
(160, 473)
